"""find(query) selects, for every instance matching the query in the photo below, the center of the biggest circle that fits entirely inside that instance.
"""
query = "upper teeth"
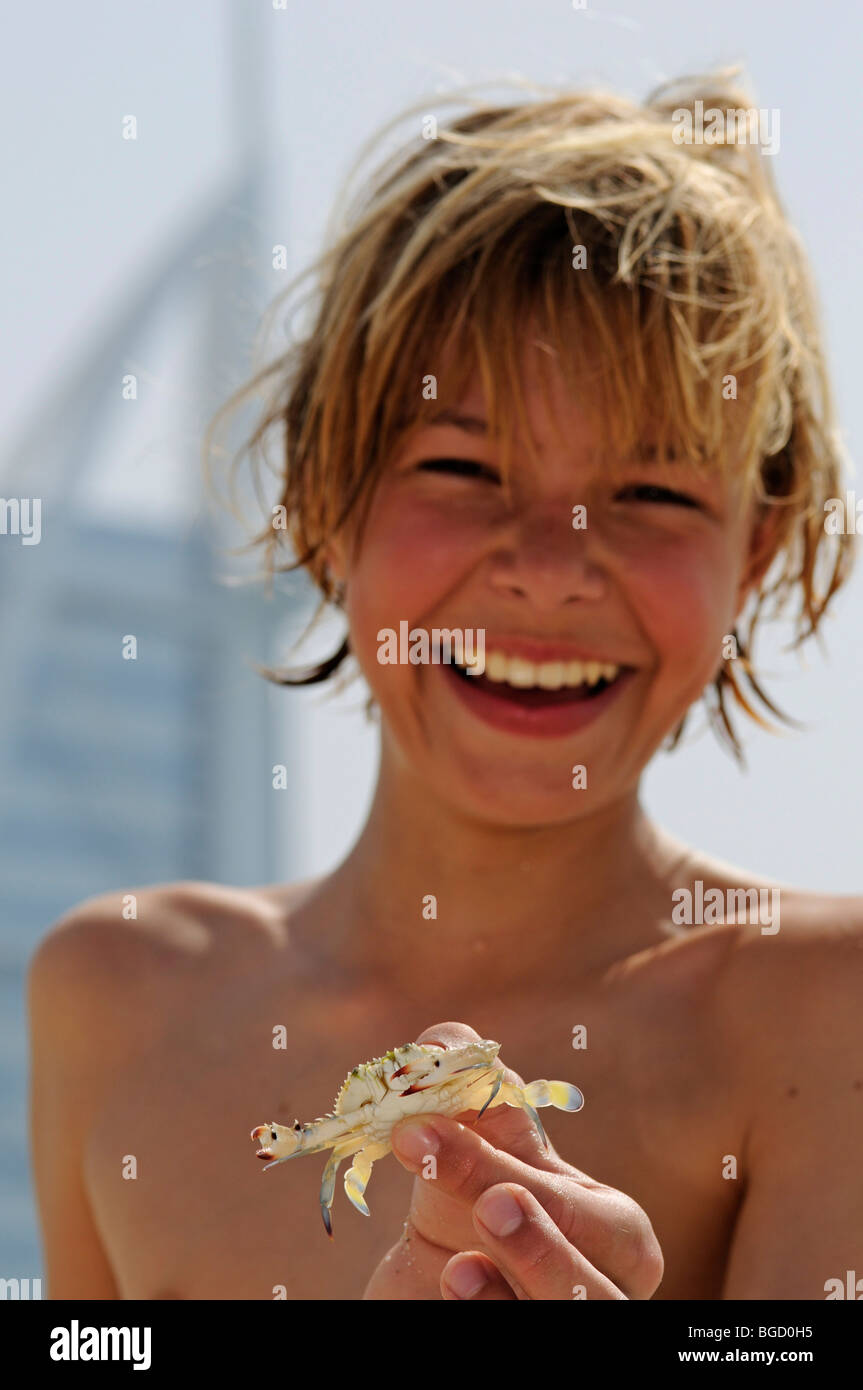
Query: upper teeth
(548, 675)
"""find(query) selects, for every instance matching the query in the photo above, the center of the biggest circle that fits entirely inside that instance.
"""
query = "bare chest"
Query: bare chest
(186, 1211)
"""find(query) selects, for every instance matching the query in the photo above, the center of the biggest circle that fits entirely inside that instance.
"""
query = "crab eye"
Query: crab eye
(437, 1061)
(273, 1135)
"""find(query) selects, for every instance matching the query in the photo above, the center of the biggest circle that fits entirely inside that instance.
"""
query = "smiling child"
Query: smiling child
(563, 385)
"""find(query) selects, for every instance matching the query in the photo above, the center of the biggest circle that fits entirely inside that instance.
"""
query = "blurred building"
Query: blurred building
(116, 772)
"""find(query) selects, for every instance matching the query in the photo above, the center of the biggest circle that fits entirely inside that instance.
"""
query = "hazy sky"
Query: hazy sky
(85, 212)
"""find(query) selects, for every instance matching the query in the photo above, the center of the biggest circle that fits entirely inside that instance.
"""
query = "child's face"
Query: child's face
(651, 583)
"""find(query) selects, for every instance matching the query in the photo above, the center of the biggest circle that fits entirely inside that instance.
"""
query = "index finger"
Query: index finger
(607, 1229)
(463, 1166)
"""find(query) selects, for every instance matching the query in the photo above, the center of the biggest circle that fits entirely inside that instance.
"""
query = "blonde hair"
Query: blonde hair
(693, 278)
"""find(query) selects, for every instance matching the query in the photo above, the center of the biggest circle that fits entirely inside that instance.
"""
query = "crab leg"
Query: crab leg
(328, 1185)
(357, 1177)
(514, 1095)
(560, 1094)
(494, 1090)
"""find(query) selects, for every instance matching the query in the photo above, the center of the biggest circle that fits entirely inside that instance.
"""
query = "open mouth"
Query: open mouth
(545, 699)
(529, 693)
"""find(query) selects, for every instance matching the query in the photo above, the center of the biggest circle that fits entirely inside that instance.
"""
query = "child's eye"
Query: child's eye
(650, 492)
(463, 468)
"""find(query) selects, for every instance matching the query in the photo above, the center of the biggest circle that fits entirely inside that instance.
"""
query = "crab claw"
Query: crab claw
(413, 1088)
(259, 1133)
(406, 1069)
(279, 1142)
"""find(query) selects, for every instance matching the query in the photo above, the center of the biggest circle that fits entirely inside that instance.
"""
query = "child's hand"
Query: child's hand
(575, 1239)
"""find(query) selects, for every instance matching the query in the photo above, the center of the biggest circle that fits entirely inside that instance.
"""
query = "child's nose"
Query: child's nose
(547, 561)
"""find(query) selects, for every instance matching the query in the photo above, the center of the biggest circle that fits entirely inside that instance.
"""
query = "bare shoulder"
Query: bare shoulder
(792, 995)
(793, 1035)
(143, 950)
(814, 940)
(781, 949)
(106, 984)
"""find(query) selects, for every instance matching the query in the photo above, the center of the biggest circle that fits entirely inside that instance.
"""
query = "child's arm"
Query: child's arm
(67, 1076)
(800, 1225)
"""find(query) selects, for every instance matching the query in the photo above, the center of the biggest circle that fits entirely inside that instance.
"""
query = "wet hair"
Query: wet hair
(692, 308)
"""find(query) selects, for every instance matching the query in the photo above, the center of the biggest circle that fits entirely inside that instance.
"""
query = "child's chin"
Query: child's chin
(505, 796)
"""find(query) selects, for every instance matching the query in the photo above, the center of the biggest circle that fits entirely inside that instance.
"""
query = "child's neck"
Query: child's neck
(426, 894)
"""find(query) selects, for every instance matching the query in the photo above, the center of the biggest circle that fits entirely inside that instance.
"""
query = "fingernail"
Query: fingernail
(415, 1142)
(500, 1212)
(466, 1279)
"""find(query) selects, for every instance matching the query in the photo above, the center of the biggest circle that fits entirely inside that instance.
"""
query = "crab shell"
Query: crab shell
(410, 1080)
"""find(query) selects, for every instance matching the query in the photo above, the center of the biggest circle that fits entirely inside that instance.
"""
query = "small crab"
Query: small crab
(415, 1079)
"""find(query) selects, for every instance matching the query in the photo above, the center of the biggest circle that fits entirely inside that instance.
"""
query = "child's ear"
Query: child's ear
(762, 550)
